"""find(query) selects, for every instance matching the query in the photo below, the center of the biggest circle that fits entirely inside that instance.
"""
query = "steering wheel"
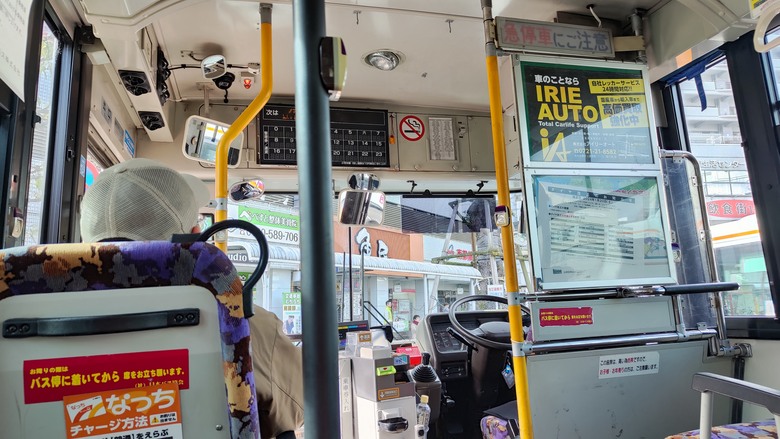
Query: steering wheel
(487, 332)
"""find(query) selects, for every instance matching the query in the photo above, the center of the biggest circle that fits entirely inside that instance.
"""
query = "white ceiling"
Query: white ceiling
(442, 67)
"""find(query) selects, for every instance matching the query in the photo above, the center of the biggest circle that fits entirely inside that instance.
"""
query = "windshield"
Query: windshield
(429, 252)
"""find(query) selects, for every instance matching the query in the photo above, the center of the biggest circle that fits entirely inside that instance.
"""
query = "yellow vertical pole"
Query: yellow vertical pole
(243, 120)
(507, 233)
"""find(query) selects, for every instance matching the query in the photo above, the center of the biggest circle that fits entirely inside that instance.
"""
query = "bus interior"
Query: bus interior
(542, 216)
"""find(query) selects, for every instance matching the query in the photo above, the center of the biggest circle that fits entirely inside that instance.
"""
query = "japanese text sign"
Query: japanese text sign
(582, 114)
(143, 412)
(51, 379)
(606, 230)
(566, 316)
(545, 37)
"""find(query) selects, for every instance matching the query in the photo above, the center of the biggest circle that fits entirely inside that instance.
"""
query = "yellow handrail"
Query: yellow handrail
(507, 235)
(243, 120)
(510, 264)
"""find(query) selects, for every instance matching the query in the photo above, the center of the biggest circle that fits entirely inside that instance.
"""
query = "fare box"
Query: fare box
(140, 412)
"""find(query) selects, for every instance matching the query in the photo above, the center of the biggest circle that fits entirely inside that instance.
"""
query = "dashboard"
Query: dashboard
(449, 357)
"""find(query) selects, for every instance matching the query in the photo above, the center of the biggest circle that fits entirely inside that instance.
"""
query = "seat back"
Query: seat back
(84, 318)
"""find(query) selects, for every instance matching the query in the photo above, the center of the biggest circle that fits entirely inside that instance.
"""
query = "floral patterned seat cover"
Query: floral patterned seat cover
(106, 266)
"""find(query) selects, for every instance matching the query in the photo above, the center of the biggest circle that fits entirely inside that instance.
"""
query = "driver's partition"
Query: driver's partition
(124, 339)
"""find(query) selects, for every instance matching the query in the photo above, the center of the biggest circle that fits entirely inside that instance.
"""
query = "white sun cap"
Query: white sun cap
(141, 200)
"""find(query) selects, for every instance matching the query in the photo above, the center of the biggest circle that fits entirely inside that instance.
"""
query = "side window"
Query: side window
(39, 160)
(714, 138)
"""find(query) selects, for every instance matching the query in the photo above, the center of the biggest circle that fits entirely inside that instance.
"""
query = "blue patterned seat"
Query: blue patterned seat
(76, 268)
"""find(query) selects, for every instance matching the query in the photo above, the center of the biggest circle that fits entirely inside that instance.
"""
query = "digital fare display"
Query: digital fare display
(358, 137)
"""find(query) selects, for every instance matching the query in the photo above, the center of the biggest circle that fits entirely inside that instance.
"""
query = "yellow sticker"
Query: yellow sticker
(616, 86)
(627, 111)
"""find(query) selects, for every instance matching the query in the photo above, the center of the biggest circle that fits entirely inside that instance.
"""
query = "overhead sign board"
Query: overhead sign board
(514, 35)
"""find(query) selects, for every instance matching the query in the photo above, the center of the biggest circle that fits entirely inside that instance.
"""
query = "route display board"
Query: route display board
(358, 137)
(584, 114)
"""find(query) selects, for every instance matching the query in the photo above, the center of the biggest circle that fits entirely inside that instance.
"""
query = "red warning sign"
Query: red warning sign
(412, 128)
(51, 379)
(566, 316)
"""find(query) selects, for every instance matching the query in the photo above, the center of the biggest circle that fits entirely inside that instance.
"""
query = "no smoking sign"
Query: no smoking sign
(412, 128)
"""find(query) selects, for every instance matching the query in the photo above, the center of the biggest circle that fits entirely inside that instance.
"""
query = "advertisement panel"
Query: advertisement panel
(278, 227)
(140, 412)
(291, 313)
(580, 114)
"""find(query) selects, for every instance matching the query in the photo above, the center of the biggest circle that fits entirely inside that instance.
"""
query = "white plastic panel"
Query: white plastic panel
(204, 404)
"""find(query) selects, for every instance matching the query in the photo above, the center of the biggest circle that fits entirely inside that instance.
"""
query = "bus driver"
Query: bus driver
(142, 200)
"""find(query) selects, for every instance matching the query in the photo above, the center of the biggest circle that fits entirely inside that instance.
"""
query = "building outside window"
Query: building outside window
(715, 140)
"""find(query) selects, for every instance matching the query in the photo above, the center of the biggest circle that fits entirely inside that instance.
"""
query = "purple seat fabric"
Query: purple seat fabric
(494, 428)
(82, 267)
(750, 430)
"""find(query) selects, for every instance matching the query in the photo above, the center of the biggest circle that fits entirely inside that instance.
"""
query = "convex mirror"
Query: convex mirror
(246, 190)
(213, 66)
(201, 137)
(362, 205)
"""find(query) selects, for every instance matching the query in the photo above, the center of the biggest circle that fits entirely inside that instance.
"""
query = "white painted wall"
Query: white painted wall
(761, 369)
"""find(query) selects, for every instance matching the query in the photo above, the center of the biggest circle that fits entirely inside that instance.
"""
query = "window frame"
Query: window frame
(757, 102)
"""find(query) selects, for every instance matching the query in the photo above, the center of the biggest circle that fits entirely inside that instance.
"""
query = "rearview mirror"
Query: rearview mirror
(361, 207)
(201, 137)
(246, 190)
(213, 66)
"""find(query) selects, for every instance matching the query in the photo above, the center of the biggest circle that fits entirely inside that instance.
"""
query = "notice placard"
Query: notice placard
(629, 364)
(599, 230)
(51, 379)
(584, 114)
(14, 18)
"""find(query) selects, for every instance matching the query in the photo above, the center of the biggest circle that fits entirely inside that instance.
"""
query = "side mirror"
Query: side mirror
(361, 207)
(201, 137)
(213, 66)
(246, 190)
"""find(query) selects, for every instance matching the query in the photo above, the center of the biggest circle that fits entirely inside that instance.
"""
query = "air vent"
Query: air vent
(135, 82)
(162, 90)
(152, 120)
(163, 73)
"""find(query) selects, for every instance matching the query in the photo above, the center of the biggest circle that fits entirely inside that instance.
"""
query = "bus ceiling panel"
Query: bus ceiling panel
(455, 78)
(451, 29)
(683, 30)
(545, 10)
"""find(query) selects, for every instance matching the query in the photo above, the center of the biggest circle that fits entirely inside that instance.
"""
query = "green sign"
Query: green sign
(291, 299)
(269, 218)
